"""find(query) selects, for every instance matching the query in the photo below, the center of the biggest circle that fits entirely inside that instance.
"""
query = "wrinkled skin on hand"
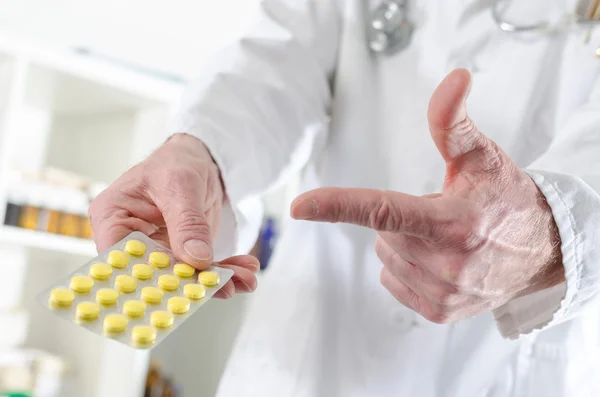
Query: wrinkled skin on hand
(487, 238)
(175, 196)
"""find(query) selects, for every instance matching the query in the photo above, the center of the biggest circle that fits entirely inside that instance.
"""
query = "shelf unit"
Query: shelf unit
(11, 235)
(69, 111)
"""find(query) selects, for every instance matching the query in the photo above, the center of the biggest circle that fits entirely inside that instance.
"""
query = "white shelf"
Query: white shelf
(93, 69)
(53, 242)
(88, 116)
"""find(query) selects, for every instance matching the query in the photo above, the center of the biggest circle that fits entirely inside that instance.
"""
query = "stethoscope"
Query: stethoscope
(390, 29)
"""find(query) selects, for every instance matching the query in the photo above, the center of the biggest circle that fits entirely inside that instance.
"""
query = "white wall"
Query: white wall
(91, 141)
(170, 35)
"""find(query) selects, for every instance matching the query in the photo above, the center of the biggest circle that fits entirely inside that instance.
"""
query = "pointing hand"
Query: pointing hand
(487, 238)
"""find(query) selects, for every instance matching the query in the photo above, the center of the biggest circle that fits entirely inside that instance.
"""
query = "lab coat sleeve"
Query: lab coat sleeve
(261, 105)
(568, 174)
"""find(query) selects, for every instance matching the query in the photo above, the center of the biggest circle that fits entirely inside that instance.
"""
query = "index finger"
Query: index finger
(384, 211)
(111, 224)
(111, 231)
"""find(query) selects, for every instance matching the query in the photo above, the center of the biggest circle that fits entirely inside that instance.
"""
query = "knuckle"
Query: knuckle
(385, 279)
(464, 126)
(437, 315)
(380, 249)
(471, 240)
(448, 298)
(463, 136)
(439, 295)
(413, 300)
(99, 202)
(476, 232)
(338, 211)
(100, 209)
(335, 210)
(466, 234)
(466, 138)
(453, 272)
(385, 254)
(176, 178)
(93, 209)
(494, 159)
(384, 217)
(193, 222)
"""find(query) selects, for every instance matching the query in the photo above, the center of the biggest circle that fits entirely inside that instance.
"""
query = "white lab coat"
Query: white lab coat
(300, 89)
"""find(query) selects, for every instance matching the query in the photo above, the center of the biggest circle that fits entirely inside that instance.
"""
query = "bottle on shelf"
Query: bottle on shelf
(70, 220)
(44, 210)
(15, 200)
(158, 384)
(57, 204)
(30, 211)
(50, 212)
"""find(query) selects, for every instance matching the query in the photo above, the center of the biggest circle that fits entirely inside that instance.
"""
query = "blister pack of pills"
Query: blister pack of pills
(135, 292)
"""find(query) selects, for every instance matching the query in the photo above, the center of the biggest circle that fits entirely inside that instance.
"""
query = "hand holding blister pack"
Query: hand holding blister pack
(135, 292)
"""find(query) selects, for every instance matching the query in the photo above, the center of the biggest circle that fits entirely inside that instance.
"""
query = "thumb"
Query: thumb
(457, 138)
(189, 231)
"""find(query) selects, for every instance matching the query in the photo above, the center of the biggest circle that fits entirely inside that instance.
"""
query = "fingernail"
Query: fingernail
(304, 209)
(198, 249)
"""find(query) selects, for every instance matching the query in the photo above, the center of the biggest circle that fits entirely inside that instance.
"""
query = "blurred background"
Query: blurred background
(87, 89)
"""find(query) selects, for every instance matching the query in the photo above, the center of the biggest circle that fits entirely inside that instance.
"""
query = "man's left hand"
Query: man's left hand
(488, 238)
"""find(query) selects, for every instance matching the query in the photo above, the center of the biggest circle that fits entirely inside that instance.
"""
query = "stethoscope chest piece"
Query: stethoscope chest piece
(390, 30)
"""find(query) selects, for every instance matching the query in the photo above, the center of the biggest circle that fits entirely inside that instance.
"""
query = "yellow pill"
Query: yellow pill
(194, 291)
(141, 271)
(81, 284)
(143, 335)
(178, 304)
(115, 324)
(118, 259)
(125, 283)
(87, 311)
(61, 297)
(168, 282)
(135, 247)
(134, 309)
(159, 259)
(209, 278)
(161, 319)
(183, 270)
(152, 295)
(101, 271)
(107, 296)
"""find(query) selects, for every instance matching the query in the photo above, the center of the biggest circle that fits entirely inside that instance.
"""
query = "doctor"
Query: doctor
(450, 234)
